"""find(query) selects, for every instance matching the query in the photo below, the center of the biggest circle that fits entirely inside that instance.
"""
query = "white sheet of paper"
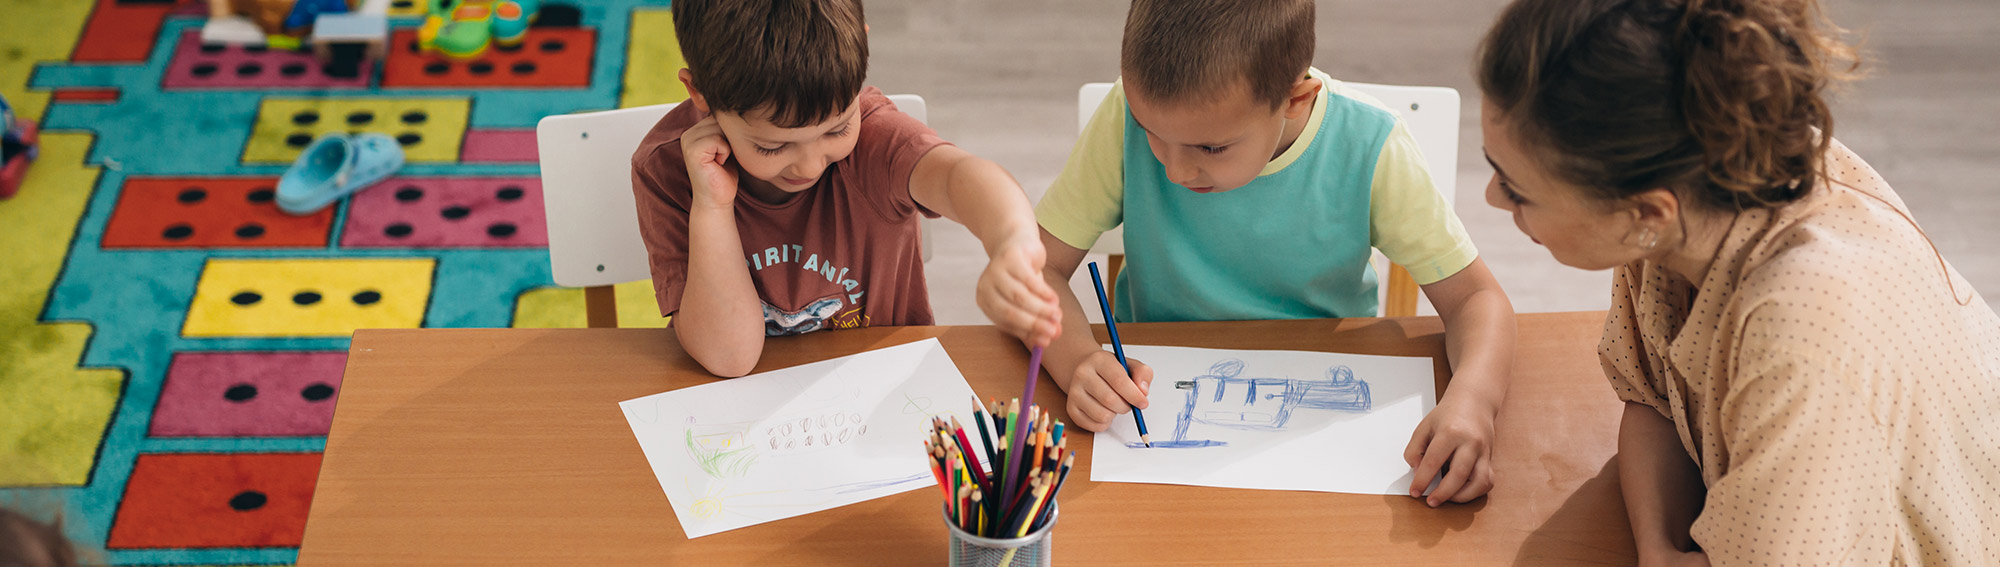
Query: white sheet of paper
(799, 440)
(1271, 419)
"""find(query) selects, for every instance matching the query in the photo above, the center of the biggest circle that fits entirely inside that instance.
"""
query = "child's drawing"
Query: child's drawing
(1222, 398)
(727, 450)
(721, 454)
(1272, 419)
(795, 441)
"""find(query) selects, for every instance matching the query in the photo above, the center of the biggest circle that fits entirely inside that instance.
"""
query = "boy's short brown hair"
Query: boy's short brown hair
(803, 61)
(1180, 50)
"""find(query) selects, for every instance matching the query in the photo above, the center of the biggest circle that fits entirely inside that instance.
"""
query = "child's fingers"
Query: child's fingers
(1430, 459)
(1085, 412)
(1099, 387)
(1123, 385)
(1415, 450)
(1480, 484)
(1455, 478)
(1142, 374)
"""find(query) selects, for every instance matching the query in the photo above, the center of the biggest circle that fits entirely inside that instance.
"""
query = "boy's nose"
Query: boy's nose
(1180, 172)
(810, 168)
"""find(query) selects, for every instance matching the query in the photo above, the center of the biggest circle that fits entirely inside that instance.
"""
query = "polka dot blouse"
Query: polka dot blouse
(1835, 380)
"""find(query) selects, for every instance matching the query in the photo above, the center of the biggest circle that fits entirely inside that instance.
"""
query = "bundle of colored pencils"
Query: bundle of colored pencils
(1000, 489)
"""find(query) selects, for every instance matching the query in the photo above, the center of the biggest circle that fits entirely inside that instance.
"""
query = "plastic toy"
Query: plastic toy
(334, 166)
(17, 150)
(233, 21)
(305, 12)
(464, 28)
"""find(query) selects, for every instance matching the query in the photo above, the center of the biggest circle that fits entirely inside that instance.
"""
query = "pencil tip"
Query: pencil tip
(1147, 439)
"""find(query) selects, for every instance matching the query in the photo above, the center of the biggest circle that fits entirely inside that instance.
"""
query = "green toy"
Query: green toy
(463, 28)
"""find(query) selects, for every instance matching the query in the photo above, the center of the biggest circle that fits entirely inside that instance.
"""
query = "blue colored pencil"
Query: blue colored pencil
(1118, 348)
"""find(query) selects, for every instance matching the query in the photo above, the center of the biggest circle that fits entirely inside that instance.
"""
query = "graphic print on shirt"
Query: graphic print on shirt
(836, 303)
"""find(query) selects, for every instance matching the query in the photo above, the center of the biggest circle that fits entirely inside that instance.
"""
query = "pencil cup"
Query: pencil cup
(969, 550)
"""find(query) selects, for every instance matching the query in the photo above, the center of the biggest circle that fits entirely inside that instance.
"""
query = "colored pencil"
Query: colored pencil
(982, 499)
(978, 473)
(985, 438)
(1118, 348)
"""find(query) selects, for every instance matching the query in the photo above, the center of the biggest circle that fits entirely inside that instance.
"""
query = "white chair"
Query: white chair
(1431, 114)
(593, 220)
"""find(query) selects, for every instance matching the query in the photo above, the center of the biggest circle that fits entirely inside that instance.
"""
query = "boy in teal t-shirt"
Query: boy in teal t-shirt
(1253, 186)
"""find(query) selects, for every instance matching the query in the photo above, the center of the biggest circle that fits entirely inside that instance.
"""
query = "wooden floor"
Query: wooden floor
(1001, 80)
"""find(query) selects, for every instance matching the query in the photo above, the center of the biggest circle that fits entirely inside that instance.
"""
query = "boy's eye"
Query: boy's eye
(770, 151)
(841, 132)
(1211, 149)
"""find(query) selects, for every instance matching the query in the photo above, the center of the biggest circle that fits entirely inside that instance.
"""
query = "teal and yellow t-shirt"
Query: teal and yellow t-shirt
(1294, 243)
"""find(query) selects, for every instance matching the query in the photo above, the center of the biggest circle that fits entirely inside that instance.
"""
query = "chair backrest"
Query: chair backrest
(1431, 114)
(587, 191)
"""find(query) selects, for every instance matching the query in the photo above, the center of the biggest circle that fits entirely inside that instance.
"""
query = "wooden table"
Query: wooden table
(507, 447)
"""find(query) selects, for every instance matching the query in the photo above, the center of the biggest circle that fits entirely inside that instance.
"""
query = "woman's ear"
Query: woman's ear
(1654, 212)
(694, 96)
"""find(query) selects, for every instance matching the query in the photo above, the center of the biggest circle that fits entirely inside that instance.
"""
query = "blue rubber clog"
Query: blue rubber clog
(334, 166)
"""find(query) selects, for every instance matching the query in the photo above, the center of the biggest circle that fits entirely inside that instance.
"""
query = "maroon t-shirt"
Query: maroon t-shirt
(842, 254)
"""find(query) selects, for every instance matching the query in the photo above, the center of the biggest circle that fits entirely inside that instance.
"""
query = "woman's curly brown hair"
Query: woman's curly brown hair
(1723, 101)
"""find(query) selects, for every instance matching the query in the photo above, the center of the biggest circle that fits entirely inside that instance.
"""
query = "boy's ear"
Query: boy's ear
(694, 96)
(1300, 100)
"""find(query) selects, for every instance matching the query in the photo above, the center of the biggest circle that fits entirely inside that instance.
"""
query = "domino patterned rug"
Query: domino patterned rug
(171, 345)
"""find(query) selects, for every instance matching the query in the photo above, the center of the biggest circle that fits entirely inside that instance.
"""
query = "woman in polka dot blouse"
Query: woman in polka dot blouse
(1808, 382)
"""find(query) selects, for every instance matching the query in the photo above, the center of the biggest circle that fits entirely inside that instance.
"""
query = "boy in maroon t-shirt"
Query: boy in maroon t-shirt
(784, 197)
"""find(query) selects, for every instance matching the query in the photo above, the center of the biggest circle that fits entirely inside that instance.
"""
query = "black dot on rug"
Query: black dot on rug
(246, 298)
(247, 500)
(191, 195)
(409, 193)
(367, 298)
(305, 298)
(177, 232)
(455, 213)
(398, 230)
(316, 392)
(251, 230)
(500, 230)
(240, 393)
(262, 195)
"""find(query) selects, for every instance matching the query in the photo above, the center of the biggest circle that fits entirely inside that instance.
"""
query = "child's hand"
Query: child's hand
(1100, 390)
(1014, 295)
(1459, 432)
(707, 155)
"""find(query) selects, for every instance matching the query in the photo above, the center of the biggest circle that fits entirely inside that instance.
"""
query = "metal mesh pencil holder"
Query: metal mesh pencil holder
(1035, 550)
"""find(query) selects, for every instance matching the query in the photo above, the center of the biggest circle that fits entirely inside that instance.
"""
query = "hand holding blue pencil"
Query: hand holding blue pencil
(1118, 348)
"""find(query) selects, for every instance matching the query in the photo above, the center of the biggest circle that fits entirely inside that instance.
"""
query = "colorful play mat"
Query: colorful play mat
(171, 345)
